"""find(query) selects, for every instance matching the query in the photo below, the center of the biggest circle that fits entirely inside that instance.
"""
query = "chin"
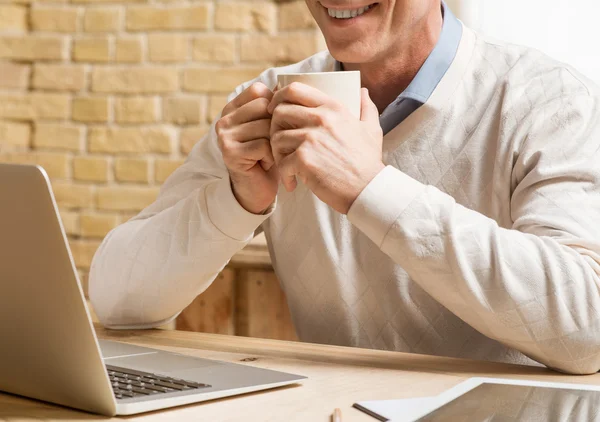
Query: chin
(356, 52)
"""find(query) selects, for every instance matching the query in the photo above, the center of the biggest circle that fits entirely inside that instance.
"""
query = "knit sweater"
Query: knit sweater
(480, 239)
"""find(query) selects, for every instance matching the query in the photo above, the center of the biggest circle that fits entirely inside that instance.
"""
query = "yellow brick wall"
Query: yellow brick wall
(110, 96)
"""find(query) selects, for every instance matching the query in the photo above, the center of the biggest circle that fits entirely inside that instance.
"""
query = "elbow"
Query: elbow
(575, 368)
(116, 305)
(103, 297)
(577, 357)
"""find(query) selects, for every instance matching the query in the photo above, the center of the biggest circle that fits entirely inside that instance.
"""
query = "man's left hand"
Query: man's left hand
(317, 139)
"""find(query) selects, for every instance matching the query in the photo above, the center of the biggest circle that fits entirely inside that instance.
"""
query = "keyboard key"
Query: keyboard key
(128, 383)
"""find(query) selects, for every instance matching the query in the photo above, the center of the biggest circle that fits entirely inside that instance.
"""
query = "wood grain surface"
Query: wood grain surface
(338, 377)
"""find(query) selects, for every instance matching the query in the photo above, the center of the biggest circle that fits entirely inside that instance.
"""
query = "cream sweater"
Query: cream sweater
(480, 239)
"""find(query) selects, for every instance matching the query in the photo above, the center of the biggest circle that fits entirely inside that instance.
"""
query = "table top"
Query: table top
(337, 377)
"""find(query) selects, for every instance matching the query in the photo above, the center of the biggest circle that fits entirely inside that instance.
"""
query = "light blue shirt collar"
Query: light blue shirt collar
(439, 60)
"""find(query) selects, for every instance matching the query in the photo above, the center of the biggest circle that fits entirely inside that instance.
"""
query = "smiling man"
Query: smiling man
(459, 216)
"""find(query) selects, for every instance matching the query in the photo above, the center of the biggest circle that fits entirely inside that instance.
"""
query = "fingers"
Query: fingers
(368, 109)
(285, 142)
(300, 94)
(251, 152)
(253, 110)
(291, 116)
(287, 147)
(243, 132)
(288, 168)
(253, 92)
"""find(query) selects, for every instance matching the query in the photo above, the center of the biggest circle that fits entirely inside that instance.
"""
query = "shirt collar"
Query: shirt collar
(438, 62)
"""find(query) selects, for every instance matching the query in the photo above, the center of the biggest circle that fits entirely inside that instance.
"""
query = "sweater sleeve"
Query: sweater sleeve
(533, 286)
(148, 269)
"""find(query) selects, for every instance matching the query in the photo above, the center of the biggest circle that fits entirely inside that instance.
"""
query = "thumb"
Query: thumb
(368, 109)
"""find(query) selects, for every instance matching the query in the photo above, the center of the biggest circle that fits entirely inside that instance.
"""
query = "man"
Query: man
(462, 221)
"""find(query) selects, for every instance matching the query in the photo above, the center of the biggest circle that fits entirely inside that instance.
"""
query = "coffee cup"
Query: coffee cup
(342, 86)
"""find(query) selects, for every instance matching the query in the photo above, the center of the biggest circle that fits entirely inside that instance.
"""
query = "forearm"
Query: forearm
(530, 292)
(147, 270)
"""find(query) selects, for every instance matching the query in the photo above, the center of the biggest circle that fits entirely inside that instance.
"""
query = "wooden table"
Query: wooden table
(338, 377)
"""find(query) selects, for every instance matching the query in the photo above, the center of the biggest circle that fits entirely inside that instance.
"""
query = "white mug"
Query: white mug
(343, 86)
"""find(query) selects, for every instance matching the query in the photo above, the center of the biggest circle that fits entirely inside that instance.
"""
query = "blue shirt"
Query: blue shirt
(428, 77)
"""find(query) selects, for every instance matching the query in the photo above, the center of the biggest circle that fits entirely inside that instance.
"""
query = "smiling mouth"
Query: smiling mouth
(349, 13)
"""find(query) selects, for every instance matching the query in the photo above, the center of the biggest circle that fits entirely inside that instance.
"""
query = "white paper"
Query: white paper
(398, 410)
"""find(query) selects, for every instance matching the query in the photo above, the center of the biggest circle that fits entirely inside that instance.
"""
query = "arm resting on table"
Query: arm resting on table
(148, 269)
(534, 286)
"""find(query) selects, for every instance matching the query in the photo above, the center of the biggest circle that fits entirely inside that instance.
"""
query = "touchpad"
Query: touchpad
(162, 362)
(111, 349)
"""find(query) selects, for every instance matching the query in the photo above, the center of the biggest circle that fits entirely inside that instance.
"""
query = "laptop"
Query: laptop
(48, 347)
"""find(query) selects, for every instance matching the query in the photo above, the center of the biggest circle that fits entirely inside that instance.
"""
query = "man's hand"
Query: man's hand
(243, 136)
(317, 139)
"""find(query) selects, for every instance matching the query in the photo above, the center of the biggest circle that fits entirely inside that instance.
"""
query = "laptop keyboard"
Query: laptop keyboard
(129, 383)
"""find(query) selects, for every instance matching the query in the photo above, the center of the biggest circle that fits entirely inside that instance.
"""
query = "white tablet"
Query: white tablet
(492, 399)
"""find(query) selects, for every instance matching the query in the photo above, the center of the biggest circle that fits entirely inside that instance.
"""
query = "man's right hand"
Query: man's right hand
(243, 136)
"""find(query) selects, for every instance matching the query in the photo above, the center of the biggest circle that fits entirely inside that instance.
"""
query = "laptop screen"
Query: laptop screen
(504, 402)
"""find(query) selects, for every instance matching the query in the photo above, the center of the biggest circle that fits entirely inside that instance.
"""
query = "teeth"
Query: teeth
(347, 14)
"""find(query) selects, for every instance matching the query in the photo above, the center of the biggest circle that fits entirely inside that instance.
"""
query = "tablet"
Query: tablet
(492, 399)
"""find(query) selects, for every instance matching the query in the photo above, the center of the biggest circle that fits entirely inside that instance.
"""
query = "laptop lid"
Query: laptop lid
(48, 347)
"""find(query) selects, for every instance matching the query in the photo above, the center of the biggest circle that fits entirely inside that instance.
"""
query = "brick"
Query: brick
(59, 77)
(98, 225)
(216, 80)
(142, 80)
(14, 135)
(55, 19)
(164, 168)
(132, 170)
(34, 106)
(246, 16)
(214, 48)
(91, 109)
(90, 169)
(281, 48)
(125, 198)
(131, 140)
(150, 18)
(128, 50)
(14, 75)
(83, 252)
(56, 165)
(73, 196)
(295, 15)
(70, 221)
(93, 2)
(190, 136)
(33, 47)
(168, 47)
(13, 18)
(102, 20)
(93, 50)
(59, 136)
(216, 105)
(136, 110)
(183, 111)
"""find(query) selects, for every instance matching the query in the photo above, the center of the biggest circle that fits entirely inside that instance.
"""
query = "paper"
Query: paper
(395, 410)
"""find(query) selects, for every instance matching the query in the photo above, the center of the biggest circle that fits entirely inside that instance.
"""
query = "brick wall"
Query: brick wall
(110, 96)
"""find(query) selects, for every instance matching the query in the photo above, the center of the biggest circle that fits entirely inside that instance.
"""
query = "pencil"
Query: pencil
(337, 416)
